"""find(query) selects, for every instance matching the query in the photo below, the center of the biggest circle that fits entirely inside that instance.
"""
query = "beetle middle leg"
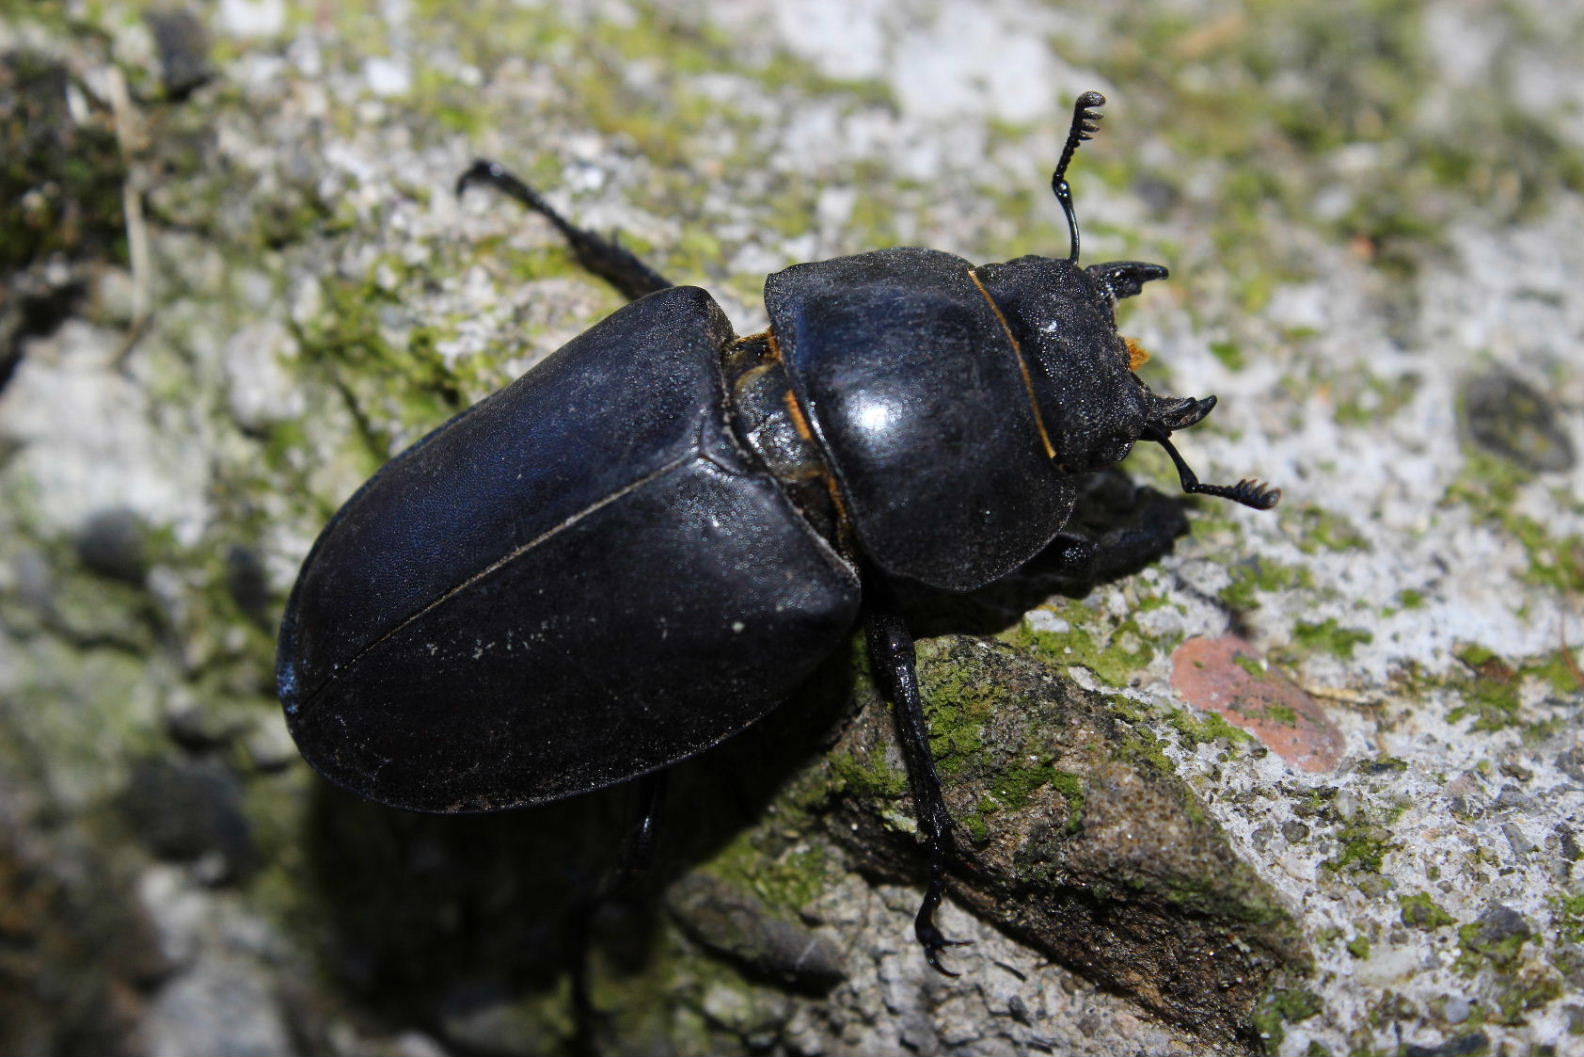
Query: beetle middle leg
(895, 665)
(606, 258)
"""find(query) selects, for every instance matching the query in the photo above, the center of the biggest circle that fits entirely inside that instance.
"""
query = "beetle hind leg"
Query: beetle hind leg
(637, 859)
(606, 258)
(895, 665)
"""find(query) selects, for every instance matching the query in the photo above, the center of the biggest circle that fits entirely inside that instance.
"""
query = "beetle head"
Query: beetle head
(1090, 404)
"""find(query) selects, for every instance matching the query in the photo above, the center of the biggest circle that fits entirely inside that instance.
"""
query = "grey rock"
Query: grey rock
(189, 812)
(113, 543)
(222, 1007)
(736, 924)
(183, 43)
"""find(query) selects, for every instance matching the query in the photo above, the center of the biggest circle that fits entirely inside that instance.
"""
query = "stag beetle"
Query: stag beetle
(641, 546)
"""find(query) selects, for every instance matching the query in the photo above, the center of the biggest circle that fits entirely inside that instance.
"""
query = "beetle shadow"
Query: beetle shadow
(471, 925)
(467, 926)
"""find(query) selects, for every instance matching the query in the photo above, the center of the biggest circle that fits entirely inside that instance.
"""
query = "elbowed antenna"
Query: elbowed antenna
(1247, 491)
(1085, 123)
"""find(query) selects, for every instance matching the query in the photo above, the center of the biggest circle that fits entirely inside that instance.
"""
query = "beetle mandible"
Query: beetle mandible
(716, 513)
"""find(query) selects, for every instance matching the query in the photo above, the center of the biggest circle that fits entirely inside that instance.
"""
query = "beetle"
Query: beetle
(645, 543)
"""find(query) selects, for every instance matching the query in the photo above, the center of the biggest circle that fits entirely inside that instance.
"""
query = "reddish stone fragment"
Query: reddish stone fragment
(1228, 676)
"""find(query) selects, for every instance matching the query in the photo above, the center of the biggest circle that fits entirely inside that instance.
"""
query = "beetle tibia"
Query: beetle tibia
(1249, 492)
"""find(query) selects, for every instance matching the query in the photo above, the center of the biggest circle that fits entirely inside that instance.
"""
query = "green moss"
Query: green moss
(786, 876)
(1419, 911)
(1359, 947)
(1144, 748)
(1490, 689)
(1072, 787)
(1493, 706)
(1139, 746)
(663, 113)
(873, 217)
(1280, 715)
(1364, 847)
(1222, 896)
(1365, 63)
(61, 174)
(1555, 671)
(1480, 950)
(1281, 1007)
(1014, 787)
(1114, 653)
(1495, 946)
(1366, 401)
(1256, 576)
(1315, 529)
(1330, 637)
(1256, 667)
(869, 777)
(1229, 353)
(1521, 995)
(1197, 728)
(369, 345)
(81, 715)
(958, 703)
(1489, 488)
(451, 101)
(1569, 917)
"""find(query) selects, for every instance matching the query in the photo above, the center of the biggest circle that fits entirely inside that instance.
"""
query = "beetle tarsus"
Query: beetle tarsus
(1256, 494)
(606, 258)
(929, 934)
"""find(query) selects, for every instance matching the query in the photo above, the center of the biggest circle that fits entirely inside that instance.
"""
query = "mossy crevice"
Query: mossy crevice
(1081, 839)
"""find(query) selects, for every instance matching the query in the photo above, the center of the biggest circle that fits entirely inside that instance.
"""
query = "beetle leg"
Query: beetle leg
(638, 851)
(638, 855)
(892, 657)
(1088, 560)
(1118, 530)
(606, 258)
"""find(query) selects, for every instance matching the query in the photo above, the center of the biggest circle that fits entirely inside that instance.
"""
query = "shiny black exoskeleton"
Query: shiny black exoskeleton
(643, 545)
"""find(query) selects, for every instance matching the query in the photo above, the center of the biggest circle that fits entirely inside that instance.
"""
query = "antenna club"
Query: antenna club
(1085, 123)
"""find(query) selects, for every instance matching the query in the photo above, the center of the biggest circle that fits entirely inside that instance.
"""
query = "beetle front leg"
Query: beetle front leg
(1118, 530)
(606, 258)
(892, 657)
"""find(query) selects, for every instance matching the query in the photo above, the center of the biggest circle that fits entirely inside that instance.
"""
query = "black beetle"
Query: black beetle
(642, 545)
